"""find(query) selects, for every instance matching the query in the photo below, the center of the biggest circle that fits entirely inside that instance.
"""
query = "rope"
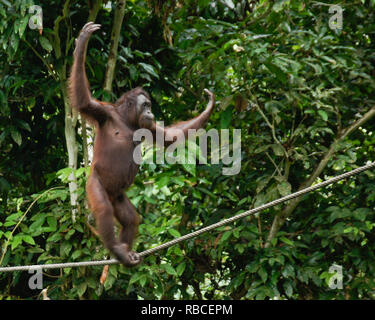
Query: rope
(198, 232)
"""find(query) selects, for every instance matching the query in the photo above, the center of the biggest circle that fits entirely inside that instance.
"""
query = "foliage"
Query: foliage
(296, 88)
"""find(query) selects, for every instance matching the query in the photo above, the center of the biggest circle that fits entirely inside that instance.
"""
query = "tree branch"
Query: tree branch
(271, 126)
(288, 210)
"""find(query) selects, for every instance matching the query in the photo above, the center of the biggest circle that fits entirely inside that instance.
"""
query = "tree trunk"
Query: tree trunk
(70, 115)
(71, 145)
(115, 35)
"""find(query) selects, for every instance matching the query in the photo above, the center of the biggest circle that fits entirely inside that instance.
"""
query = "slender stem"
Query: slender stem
(273, 162)
(51, 71)
(19, 222)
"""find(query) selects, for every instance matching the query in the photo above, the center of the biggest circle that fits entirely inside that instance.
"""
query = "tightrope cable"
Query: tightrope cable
(198, 232)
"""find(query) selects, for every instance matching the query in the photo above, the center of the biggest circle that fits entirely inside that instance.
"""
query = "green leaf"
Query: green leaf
(284, 188)
(44, 42)
(238, 280)
(262, 148)
(190, 168)
(14, 216)
(225, 236)
(135, 277)
(287, 241)
(16, 241)
(113, 270)
(277, 149)
(14, 42)
(65, 248)
(52, 223)
(229, 3)
(69, 234)
(163, 181)
(79, 172)
(288, 271)
(280, 74)
(288, 289)
(278, 5)
(22, 25)
(181, 268)
(226, 118)
(79, 228)
(81, 288)
(24, 125)
(28, 239)
(149, 69)
(76, 254)
(196, 193)
(143, 280)
(169, 269)
(174, 233)
(133, 72)
(10, 223)
(38, 222)
(54, 238)
(16, 136)
(263, 274)
(323, 115)
(35, 250)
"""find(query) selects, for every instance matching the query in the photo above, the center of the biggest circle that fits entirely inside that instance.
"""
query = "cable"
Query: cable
(198, 232)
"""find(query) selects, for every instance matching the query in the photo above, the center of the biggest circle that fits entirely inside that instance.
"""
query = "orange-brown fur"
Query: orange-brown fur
(113, 169)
